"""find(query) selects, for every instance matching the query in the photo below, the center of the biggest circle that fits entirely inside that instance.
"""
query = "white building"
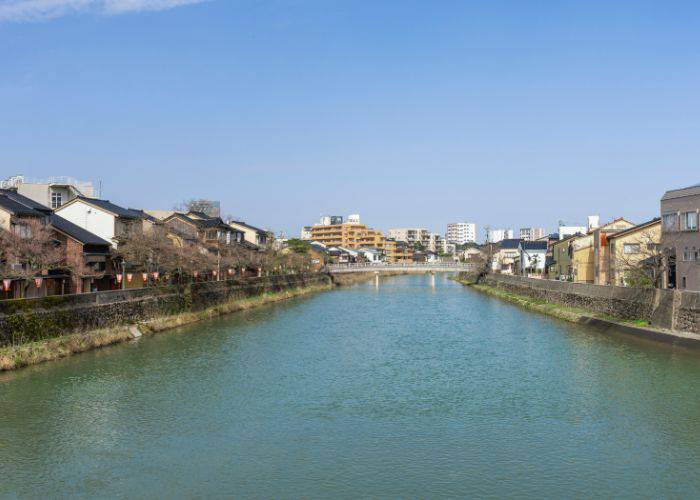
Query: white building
(533, 255)
(496, 235)
(531, 233)
(101, 217)
(459, 233)
(435, 243)
(566, 231)
(52, 192)
(331, 220)
(306, 232)
(354, 218)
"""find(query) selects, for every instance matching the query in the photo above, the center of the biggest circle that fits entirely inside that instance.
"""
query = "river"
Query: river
(411, 389)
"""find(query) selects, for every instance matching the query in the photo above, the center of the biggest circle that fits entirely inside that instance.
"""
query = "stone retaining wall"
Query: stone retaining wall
(672, 309)
(26, 320)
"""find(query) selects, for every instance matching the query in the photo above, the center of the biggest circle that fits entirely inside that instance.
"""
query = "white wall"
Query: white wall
(90, 218)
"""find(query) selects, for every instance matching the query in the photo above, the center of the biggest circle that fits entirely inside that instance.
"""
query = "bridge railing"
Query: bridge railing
(377, 266)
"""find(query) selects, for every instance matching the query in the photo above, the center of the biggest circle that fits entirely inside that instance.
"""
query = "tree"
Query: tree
(299, 246)
(30, 251)
(642, 264)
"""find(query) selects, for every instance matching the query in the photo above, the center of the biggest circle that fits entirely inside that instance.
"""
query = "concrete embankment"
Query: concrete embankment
(38, 330)
(653, 314)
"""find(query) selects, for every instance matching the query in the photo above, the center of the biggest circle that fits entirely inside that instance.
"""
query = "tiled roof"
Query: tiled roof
(76, 232)
(240, 223)
(108, 206)
(509, 244)
(534, 245)
(635, 228)
(23, 200)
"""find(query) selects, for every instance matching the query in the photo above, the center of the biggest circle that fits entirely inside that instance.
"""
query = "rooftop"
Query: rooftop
(21, 205)
(108, 206)
(649, 223)
(680, 193)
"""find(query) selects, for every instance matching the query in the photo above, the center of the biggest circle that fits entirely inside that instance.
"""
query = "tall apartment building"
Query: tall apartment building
(496, 235)
(436, 243)
(411, 235)
(52, 192)
(459, 233)
(531, 233)
(348, 235)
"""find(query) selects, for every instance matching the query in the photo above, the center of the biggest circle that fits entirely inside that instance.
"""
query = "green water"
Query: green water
(408, 390)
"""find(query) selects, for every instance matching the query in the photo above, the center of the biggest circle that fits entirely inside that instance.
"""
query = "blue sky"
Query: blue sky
(410, 113)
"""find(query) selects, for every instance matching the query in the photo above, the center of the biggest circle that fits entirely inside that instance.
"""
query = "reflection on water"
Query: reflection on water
(418, 388)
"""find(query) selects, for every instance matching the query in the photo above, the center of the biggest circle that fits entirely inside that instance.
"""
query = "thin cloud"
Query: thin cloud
(42, 10)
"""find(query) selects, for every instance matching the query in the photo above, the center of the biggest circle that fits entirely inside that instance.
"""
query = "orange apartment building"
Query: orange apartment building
(348, 235)
(398, 251)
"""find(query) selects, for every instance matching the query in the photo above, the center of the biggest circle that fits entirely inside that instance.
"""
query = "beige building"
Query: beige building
(53, 192)
(601, 247)
(252, 234)
(582, 259)
(634, 256)
(411, 235)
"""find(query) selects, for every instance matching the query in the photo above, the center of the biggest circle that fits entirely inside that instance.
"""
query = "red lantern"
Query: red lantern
(196, 274)
(38, 281)
(215, 273)
(6, 284)
(144, 276)
(155, 275)
(129, 277)
(119, 278)
(230, 272)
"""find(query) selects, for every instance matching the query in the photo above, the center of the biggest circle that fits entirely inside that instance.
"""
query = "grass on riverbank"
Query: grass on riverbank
(14, 357)
(572, 314)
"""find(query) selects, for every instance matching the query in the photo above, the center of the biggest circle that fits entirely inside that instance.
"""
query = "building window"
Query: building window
(688, 254)
(683, 284)
(631, 248)
(689, 221)
(56, 199)
(670, 222)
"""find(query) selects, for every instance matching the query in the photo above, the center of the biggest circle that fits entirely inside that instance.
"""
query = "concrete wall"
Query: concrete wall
(672, 309)
(27, 320)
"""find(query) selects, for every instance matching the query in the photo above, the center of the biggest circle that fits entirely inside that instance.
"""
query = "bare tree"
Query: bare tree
(641, 263)
(30, 251)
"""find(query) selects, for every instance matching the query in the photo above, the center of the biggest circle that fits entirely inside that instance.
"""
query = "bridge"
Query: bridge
(423, 267)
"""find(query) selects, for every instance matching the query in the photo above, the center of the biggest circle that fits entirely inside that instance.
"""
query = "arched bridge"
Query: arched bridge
(429, 267)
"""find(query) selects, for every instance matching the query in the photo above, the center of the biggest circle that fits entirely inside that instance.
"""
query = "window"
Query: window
(670, 222)
(683, 283)
(689, 254)
(689, 221)
(56, 199)
(631, 248)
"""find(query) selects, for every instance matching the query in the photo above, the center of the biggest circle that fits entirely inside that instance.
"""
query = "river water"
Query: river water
(406, 390)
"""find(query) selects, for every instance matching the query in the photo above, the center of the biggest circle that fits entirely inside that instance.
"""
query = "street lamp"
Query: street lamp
(123, 274)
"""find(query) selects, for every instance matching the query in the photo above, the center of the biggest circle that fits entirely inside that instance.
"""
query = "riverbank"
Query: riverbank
(608, 323)
(32, 353)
